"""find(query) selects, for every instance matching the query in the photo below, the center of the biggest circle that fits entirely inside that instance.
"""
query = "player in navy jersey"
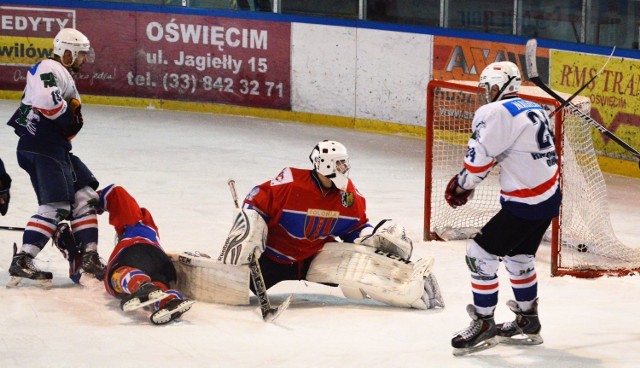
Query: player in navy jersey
(514, 134)
(5, 185)
(302, 213)
(48, 118)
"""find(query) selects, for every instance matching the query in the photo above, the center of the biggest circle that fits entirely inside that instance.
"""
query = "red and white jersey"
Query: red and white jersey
(49, 86)
(514, 133)
(134, 225)
(302, 216)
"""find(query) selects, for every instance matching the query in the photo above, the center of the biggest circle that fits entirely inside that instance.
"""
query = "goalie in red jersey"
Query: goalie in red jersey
(311, 224)
(139, 271)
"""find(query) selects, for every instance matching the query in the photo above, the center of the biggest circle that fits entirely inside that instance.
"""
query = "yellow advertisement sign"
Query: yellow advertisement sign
(613, 94)
(24, 51)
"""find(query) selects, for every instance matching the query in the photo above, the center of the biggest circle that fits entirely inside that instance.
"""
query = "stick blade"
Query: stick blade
(274, 313)
(530, 57)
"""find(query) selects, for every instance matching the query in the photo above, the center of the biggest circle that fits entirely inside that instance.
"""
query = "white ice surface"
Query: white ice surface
(177, 164)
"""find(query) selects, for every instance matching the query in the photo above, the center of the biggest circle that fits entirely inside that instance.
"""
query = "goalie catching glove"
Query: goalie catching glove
(455, 195)
(388, 237)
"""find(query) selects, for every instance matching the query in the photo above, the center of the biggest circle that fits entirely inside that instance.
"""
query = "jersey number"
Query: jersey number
(544, 136)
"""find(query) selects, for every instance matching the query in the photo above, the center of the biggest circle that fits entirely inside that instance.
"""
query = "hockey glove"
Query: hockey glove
(388, 237)
(76, 118)
(64, 240)
(5, 197)
(453, 198)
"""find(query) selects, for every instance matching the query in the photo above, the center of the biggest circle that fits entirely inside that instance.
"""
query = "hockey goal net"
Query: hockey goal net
(582, 240)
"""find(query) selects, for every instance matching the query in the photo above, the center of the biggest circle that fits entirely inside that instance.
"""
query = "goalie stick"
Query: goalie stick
(532, 73)
(269, 314)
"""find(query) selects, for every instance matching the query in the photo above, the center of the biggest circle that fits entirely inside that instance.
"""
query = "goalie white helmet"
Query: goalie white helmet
(72, 40)
(503, 74)
(330, 159)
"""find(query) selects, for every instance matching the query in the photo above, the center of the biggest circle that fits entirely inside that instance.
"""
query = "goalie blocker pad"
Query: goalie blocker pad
(202, 278)
(249, 232)
(362, 271)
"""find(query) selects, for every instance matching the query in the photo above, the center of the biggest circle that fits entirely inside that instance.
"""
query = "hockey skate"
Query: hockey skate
(524, 330)
(146, 294)
(92, 264)
(173, 309)
(22, 267)
(480, 335)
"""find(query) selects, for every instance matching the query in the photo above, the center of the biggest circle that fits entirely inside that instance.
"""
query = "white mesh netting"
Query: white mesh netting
(586, 243)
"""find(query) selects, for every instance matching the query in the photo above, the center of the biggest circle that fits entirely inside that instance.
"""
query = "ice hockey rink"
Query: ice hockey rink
(177, 164)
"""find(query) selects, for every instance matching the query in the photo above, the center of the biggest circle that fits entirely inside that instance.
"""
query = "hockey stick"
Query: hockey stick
(532, 73)
(12, 228)
(576, 93)
(269, 313)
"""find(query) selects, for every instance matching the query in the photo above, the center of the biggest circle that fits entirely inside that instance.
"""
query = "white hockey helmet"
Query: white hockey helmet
(503, 74)
(330, 158)
(72, 40)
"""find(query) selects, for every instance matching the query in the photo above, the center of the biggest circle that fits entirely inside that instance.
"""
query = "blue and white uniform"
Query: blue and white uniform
(64, 186)
(515, 134)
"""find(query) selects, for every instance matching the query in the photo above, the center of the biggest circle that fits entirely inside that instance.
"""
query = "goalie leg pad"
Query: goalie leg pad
(201, 278)
(362, 271)
(249, 231)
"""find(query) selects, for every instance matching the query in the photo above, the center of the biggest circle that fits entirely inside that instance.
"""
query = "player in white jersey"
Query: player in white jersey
(48, 118)
(514, 134)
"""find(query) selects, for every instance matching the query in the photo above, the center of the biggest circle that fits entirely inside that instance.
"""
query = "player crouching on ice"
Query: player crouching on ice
(139, 271)
(292, 223)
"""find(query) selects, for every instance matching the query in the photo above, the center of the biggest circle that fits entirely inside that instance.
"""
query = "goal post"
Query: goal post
(582, 240)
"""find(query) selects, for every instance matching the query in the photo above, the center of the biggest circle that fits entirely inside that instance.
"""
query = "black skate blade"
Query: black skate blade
(484, 345)
(14, 282)
(136, 303)
(522, 339)
(274, 313)
(164, 316)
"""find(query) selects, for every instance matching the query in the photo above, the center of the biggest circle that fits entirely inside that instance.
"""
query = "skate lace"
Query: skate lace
(509, 325)
(512, 325)
(28, 263)
(473, 329)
